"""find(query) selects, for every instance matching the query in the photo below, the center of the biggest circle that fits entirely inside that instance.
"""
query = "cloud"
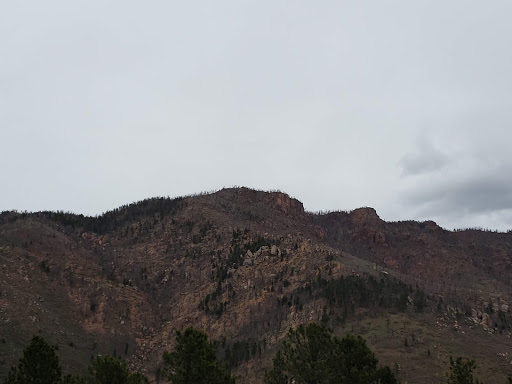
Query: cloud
(460, 189)
(111, 103)
(425, 159)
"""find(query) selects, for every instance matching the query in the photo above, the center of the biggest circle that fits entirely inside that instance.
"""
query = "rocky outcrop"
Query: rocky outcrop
(365, 217)
(155, 272)
(288, 205)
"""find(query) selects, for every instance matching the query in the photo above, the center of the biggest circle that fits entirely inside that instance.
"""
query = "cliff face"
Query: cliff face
(246, 265)
(424, 252)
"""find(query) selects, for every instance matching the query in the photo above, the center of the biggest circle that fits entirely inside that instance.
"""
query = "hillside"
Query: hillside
(245, 265)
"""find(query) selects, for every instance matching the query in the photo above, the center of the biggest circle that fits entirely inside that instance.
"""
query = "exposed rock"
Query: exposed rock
(319, 232)
(159, 249)
(430, 225)
(247, 262)
(391, 262)
(289, 206)
(365, 216)
(486, 320)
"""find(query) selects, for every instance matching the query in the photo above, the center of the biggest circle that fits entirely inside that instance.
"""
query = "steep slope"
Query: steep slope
(440, 260)
(245, 265)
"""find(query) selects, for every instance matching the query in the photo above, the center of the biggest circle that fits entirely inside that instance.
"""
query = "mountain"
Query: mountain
(245, 265)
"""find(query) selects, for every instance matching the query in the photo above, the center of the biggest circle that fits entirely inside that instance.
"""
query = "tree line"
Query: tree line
(107, 221)
(309, 354)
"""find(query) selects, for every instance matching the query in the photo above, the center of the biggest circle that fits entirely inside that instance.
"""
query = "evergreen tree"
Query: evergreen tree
(461, 371)
(355, 363)
(304, 356)
(311, 355)
(39, 365)
(137, 378)
(110, 370)
(194, 361)
(72, 379)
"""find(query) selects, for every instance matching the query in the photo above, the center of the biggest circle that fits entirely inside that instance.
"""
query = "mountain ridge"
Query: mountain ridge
(240, 264)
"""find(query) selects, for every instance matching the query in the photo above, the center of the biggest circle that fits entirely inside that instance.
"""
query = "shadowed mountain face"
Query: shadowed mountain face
(244, 266)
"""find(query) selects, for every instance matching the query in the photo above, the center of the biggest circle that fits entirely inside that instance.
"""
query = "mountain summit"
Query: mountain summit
(245, 265)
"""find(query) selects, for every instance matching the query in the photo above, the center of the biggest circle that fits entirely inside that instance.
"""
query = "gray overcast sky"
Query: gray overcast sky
(401, 105)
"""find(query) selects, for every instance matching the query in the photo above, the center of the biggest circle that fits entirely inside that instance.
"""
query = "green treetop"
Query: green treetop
(461, 371)
(39, 365)
(194, 361)
(311, 355)
(110, 370)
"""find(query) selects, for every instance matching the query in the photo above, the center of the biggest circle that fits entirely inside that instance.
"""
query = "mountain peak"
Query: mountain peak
(365, 215)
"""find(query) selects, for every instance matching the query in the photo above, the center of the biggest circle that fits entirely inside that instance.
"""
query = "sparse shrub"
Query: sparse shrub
(44, 266)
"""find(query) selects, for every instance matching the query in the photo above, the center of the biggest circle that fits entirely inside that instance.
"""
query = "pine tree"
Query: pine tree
(39, 365)
(304, 356)
(111, 370)
(461, 371)
(72, 379)
(194, 361)
(311, 355)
